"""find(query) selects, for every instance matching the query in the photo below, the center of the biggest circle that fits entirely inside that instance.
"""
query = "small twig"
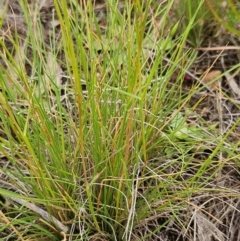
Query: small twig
(219, 48)
(64, 236)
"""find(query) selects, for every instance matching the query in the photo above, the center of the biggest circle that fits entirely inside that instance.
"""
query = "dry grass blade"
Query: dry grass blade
(233, 84)
(42, 213)
(207, 229)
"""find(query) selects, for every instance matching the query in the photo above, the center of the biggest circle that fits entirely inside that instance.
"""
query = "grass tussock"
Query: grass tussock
(103, 130)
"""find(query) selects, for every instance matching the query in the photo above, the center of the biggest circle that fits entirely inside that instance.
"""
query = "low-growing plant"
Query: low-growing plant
(199, 16)
(228, 17)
